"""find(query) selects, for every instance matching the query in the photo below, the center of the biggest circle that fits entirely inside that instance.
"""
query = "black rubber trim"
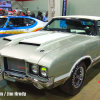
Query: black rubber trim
(6, 39)
(29, 43)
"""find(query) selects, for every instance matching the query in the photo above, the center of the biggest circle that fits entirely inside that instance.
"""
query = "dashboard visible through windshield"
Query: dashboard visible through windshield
(78, 26)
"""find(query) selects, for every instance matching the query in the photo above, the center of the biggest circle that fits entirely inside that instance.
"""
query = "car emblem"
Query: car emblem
(21, 67)
(42, 50)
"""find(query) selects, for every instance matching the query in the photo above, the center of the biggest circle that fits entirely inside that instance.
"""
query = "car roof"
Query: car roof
(80, 17)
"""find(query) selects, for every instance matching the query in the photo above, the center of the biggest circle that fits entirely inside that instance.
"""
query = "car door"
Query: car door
(2, 32)
(22, 26)
(93, 41)
(98, 33)
(28, 24)
(96, 41)
(11, 27)
(14, 26)
(3, 22)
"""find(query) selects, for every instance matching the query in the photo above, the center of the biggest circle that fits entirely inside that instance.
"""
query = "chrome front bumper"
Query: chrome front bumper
(40, 84)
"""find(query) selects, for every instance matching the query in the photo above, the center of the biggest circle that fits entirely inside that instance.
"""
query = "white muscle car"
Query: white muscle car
(58, 55)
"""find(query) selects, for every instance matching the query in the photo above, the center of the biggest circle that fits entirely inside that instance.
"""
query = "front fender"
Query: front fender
(62, 61)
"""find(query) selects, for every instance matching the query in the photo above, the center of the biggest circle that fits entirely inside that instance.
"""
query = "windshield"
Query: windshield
(2, 22)
(78, 26)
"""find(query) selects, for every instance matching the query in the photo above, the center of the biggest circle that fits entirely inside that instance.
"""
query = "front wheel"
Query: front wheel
(74, 84)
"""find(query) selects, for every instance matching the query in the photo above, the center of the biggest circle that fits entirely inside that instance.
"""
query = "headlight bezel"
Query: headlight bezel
(44, 70)
(41, 70)
(36, 67)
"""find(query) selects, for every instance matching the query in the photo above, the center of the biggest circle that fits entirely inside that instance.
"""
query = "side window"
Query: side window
(98, 27)
(10, 22)
(20, 22)
(28, 21)
(87, 23)
(16, 22)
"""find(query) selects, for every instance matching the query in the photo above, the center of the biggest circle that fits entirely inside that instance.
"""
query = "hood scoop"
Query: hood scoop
(6, 39)
(34, 44)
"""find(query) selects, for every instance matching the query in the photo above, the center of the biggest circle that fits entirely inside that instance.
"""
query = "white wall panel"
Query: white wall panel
(83, 7)
(74, 7)
(35, 6)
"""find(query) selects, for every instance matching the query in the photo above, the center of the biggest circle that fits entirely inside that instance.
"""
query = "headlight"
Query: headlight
(44, 72)
(35, 69)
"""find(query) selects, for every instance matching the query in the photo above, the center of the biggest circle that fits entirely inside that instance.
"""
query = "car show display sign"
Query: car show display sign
(5, 4)
(64, 8)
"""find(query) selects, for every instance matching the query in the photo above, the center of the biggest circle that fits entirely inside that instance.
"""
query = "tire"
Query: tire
(74, 84)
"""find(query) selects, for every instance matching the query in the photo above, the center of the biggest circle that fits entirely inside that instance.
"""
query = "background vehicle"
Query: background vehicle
(19, 24)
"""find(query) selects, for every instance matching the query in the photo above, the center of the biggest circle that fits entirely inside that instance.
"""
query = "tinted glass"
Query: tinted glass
(20, 22)
(98, 27)
(78, 26)
(2, 22)
(29, 22)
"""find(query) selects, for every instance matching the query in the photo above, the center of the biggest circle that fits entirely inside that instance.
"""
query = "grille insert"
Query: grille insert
(16, 65)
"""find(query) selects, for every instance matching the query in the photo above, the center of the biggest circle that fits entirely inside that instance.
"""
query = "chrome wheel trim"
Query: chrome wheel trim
(78, 77)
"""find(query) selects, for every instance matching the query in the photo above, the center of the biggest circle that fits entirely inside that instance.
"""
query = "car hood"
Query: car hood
(10, 40)
(23, 36)
(33, 49)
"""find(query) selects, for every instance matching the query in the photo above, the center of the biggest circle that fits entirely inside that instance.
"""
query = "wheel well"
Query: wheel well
(87, 61)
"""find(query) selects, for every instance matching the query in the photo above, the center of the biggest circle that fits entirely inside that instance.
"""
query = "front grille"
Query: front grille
(16, 65)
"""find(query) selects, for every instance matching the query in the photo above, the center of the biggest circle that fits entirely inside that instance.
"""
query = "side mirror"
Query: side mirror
(11, 26)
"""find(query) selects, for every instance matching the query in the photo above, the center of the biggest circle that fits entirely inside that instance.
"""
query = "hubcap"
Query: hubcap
(78, 77)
